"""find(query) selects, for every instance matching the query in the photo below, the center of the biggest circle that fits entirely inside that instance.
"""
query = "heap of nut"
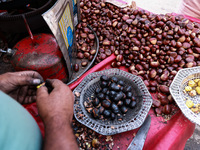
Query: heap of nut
(151, 46)
(85, 45)
(111, 100)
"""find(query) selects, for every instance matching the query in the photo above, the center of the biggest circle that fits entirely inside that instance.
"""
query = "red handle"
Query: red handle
(29, 30)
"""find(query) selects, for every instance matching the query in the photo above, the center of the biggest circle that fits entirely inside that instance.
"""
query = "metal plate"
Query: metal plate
(133, 118)
(83, 70)
(176, 89)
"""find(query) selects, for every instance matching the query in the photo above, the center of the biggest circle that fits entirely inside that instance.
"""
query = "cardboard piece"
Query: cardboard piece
(60, 19)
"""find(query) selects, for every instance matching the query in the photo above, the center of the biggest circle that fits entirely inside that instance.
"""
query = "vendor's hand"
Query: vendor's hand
(21, 85)
(57, 105)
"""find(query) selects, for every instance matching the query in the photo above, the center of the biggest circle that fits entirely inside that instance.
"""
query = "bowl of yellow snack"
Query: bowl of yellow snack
(185, 89)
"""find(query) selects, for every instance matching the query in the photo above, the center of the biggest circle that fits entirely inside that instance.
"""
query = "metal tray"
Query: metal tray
(176, 90)
(133, 118)
(82, 70)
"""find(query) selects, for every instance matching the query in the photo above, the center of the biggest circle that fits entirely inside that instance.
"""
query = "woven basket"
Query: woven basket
(133, 118)
(177, 87)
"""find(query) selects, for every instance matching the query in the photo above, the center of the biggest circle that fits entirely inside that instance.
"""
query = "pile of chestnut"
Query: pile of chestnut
(111, 100)
(154, 47)
(85, 45)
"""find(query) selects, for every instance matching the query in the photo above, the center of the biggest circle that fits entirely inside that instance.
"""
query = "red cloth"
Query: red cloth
(162, 134)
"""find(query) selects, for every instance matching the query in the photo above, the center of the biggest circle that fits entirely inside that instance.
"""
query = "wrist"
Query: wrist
(57, 121)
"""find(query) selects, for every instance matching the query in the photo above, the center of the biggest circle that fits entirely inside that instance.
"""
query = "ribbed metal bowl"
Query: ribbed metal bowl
(133, 118)
(177, 87)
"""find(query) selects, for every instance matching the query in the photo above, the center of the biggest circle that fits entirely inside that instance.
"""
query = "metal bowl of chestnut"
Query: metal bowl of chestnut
(112, 101)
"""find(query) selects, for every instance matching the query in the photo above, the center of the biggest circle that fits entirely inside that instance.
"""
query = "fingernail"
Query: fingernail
(36, 81)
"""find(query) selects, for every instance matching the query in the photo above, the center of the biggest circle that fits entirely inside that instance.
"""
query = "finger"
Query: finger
(31, 92)
(42, 93)
(26, 80)
(32, 74)
(55, 83)
(22, 94)
(29, 99)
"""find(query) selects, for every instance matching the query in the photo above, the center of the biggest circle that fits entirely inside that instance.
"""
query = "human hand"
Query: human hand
(20, 85)
(57, 105)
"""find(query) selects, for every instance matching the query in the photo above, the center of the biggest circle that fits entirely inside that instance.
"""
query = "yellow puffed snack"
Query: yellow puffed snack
(189, 103)
(198, 89)
(188, 88)
(196, 80)
(199, 83)
(195, 110)
(193, 93)
(191, 83)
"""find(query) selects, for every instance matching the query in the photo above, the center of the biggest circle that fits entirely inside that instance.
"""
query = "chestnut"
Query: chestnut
(129, 95)
(118, 97)
(105, 90)
(76, 67)
(114, 87)
(96, 102)
(106, 113)
(103, 84)
(127, 102)
(97, 90)
(112, 116)
(106, 103)
(132, 104)
(114, 108)
(124, 109)
(104, 78)
(95, 113)
(120, 82)
(112, 94)
(101, 110)
(114, 79)
(101, 96)
(127, 89)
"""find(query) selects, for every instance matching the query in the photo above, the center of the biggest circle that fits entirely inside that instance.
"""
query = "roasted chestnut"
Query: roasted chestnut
(101, 110)
(124, 109)
(120, 82)
(95, 113)
(108, 92)
(114, 79)
(97, 90)
(114, 86)
(96, 102)
(132, 104)
(118, 97)
(112, 94)
(119, 117)
(133, 98)
(127, 102)
(104, 84)
(127, 89)
(121, 88)
(112, 116)
(104, 78)
(101, 96)
(106, 103)
(129, 95)
(106, 113)
(104, 90)
(114, 108)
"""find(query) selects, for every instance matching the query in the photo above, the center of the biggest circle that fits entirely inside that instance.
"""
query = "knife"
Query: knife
(138, 141)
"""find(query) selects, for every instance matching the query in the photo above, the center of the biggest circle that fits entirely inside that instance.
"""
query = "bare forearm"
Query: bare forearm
(59, 135)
